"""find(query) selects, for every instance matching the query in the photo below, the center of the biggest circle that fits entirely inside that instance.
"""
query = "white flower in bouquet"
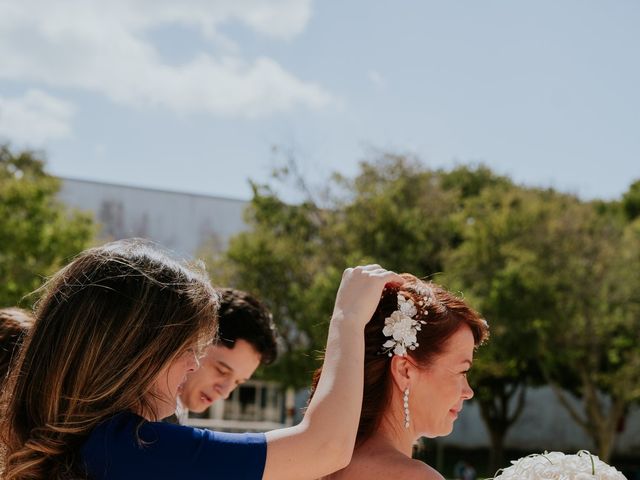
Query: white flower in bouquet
(558, 466)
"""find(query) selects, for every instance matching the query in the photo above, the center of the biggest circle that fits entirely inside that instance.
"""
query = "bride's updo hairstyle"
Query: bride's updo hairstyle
(440, 314)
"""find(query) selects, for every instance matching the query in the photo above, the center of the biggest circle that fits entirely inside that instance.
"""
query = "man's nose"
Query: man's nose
(226, 388)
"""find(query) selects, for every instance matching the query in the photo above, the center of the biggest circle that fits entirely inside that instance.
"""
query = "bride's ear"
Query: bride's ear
(400, 371)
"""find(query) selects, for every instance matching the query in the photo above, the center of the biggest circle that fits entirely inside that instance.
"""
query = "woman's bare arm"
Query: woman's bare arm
(323, 442)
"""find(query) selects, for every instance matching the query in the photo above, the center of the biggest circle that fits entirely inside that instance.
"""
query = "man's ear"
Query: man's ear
(401, 372)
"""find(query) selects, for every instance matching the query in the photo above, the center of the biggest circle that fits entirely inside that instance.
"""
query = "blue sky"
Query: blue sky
(193, 95)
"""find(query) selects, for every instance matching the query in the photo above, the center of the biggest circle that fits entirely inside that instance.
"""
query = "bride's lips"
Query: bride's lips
(454, 412)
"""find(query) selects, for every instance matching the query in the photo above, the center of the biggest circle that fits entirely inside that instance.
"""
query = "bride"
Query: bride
(419, 347)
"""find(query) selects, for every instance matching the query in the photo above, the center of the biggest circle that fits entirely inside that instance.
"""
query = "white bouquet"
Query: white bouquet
(558, 466)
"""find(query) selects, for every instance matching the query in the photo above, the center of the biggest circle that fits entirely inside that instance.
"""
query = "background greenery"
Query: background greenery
(37, 232)
(556, 276)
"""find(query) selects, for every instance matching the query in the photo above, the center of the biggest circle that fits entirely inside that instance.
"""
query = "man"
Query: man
(247, 339)
(14, 324)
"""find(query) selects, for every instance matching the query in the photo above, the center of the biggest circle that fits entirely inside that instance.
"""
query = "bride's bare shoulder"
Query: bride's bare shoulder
(415, 470)
(420, 471)
(379, 467)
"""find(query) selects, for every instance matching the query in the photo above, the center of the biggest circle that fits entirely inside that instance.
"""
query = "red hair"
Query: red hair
(445, 314)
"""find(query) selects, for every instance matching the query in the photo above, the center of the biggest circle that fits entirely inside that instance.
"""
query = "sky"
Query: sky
(202, 95)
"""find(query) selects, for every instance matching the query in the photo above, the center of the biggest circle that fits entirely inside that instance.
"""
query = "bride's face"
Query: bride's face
(439, 392)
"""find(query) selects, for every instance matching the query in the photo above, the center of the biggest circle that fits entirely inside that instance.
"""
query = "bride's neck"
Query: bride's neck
(392, 434)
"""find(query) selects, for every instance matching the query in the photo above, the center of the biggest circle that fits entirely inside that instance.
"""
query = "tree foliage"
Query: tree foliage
(280, 260)
(37, 232)
(496, 266)
(556, 277)
(589, 345)
(631, 201)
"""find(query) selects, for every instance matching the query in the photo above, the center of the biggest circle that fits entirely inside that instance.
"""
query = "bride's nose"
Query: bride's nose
(467, 391)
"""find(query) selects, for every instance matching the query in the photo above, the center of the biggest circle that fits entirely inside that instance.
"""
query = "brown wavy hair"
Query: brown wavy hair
(444, 313)
(14, 324)
(105, 327)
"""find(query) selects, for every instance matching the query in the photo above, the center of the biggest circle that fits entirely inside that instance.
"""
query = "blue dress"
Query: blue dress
(112, 452)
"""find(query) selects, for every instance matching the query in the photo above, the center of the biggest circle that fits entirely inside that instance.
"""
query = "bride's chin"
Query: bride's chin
(446, 431)
(443, 431)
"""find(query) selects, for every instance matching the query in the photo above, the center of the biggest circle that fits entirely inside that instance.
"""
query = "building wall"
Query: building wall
(543, 425)
(181, 222)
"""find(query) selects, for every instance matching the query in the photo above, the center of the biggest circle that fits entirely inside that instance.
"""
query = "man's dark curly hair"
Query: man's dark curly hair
(243, 317)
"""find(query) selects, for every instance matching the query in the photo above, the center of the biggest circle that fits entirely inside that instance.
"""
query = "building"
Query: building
(543, 425)
(254, 406)
(180, 222)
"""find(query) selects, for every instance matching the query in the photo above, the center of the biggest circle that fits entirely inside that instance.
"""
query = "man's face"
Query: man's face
(221, 370)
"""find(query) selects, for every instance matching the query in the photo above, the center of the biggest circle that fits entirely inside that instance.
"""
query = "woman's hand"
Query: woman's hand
(359, 292)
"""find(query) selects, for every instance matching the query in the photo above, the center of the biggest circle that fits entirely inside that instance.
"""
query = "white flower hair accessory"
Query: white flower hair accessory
(581, 466)
(402, 327)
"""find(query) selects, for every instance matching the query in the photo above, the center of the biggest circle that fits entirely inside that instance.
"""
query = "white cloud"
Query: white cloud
(34, 118)
(377, 79)
(103, 47)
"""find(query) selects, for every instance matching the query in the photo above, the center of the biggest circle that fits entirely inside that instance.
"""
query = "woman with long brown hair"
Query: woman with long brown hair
(116, 332)
(419, 347)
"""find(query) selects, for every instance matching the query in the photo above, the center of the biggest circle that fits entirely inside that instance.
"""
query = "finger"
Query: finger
(347, 271)
(379, 271)
(373, 266)
(392, 277)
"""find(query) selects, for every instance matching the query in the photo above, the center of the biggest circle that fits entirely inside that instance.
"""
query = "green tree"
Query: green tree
(589, 344)
(397, 214)
(281, 259)
(403, 215)
(631, 201)
(496, 266)
(37, 232)
(555, 276)
(394, 212)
